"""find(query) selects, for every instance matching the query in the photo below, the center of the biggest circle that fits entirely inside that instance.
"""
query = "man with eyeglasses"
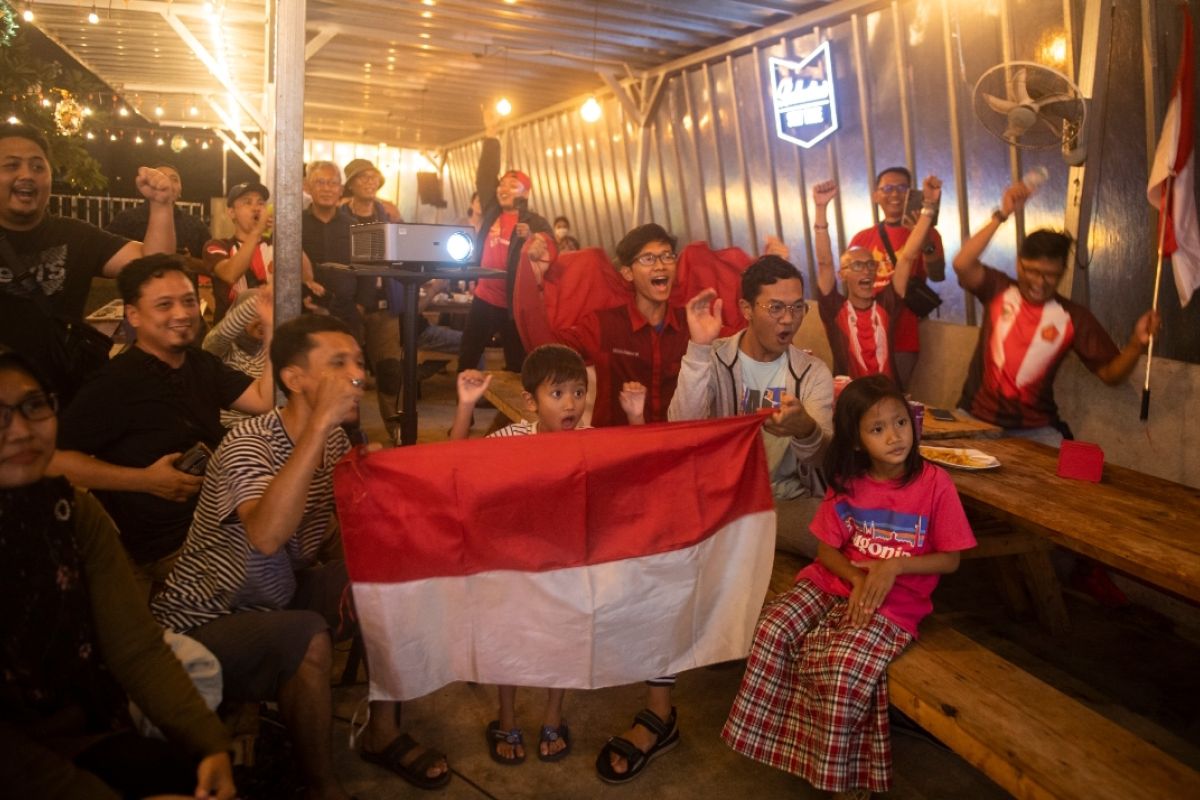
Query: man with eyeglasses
(888, 237)
(761, 368)
(861, 324)
(635, 348)
(1028, 329)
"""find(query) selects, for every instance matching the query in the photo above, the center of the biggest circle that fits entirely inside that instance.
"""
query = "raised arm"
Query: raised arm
(826, 271)
(235, 266)
(932, 192)
(967, 265)
(272, 518)
(160, 229)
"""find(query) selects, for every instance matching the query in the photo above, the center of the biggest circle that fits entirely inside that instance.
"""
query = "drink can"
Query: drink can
(918, 414)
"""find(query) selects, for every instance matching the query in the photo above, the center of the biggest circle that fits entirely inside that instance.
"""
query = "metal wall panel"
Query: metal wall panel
(717, 171)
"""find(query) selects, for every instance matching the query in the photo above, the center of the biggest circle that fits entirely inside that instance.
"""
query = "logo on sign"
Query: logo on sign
(805, 106)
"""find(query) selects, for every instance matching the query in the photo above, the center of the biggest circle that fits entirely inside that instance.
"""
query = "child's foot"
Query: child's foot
(505, 747)
(555, 742)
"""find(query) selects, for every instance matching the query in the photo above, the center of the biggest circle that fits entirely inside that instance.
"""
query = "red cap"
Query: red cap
(521, 178)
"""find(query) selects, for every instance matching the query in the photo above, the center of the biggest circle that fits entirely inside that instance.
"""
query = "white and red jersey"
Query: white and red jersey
(907, 339)
(1021, 345)
(217, 250)
(861, 338)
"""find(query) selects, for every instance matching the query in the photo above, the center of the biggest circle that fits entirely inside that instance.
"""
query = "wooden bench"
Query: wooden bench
(1030, 738)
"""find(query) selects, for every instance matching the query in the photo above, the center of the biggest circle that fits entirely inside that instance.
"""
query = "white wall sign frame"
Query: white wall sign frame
(804, 98)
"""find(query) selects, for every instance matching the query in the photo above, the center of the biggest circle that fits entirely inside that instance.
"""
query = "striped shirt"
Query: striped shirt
(219, 572)
(525, 428)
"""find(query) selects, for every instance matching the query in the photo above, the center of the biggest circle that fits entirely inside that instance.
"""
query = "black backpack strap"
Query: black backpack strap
(887, 243)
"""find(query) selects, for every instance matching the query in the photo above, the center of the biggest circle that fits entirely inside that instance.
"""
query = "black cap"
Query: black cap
(246, 188)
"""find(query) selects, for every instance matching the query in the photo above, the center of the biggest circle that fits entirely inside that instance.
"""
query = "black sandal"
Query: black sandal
(666, 735)
(392, 757)
(496, 736)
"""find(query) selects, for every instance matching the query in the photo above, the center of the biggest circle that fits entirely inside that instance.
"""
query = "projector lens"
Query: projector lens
(459, 246)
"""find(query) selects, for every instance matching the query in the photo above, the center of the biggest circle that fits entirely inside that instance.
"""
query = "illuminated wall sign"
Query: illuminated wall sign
(805, 106)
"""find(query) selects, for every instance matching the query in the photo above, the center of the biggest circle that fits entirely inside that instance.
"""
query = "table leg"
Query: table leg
(410, 389)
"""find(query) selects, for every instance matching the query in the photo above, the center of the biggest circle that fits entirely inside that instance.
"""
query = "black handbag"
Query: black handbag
(920, 298)
(73, 349)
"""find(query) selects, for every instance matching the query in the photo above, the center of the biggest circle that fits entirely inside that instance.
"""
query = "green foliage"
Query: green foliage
(25, 79)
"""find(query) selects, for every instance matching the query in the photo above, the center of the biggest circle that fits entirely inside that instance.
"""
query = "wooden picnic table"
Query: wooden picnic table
(963, 427)
(1144, 526)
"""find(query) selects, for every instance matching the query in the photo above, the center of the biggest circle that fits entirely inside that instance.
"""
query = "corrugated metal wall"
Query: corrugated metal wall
(717, 171)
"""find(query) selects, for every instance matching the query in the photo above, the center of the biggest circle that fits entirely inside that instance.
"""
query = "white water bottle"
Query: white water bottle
(1034, 178)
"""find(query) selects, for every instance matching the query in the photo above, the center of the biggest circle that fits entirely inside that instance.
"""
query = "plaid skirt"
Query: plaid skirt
(814, 698)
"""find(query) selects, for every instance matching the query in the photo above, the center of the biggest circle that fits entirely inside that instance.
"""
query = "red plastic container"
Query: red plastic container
(1082, 461)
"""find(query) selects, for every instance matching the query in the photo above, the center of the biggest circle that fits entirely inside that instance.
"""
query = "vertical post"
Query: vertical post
(289, 154)
(956, 145)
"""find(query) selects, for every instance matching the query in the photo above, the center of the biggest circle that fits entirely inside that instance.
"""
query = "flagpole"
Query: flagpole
(1162, 232)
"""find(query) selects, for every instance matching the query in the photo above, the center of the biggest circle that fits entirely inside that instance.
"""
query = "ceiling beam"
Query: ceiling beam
(214, 68)
(325, 34)
(192, 10)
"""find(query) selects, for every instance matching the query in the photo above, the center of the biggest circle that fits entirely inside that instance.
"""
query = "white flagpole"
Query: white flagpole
(1168, 184)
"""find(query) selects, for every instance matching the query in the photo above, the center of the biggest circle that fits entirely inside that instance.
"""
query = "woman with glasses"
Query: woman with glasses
(861, 321)
(77, 641)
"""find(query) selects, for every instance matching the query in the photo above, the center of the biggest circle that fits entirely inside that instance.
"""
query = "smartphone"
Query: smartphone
(945, 415)
(912, 209)
(195, 460)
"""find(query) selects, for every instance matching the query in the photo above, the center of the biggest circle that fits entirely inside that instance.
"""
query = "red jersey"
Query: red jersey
(1021, 345)
(907, 339)
(495, 256)
(217, 250)
(861, 338)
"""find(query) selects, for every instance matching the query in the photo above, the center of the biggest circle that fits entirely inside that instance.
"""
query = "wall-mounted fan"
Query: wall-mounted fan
(1033, 106)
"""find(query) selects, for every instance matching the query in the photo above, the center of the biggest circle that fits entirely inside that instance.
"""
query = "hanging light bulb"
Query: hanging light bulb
(27, 14)
(93, 17)
(158, 111)
(123, 111)
(12, 120)
(91, 135)
(193, 111)
(112, 137)
(160, 142)
(137, 139)
(591, 111)
(503, 107)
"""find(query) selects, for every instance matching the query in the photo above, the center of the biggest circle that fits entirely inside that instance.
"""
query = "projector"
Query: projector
(411, 244)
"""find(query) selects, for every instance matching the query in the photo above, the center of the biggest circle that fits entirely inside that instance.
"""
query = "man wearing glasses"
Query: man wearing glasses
(888, 237)
(861, 324)
(635, 348)
(761, 368)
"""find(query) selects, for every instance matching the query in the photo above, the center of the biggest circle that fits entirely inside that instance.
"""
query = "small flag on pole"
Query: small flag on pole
(573, 560)
(1173, 175)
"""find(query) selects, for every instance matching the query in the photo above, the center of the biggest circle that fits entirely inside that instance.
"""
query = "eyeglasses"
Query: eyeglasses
(775, 310)
(327, 184)
(34, 408)
(862, 266)
(648, 259)
(892, 188)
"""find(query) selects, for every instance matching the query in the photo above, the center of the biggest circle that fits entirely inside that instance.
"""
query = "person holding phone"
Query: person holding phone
(884, 241)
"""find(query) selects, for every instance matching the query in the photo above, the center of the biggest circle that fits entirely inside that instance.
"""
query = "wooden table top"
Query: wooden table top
(1145, 526)
(961, 428)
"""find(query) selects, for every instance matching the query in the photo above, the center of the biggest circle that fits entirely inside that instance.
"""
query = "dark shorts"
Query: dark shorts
(260, 650)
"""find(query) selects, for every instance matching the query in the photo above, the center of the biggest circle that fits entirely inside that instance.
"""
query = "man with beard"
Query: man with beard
(132, 422)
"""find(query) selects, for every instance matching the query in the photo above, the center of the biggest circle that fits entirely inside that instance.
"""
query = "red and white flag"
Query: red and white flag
(1173, 175)
(575, 560)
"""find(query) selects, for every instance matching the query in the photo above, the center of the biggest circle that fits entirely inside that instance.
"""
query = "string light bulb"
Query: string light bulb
(123, 111)
(93, 17)
(591, 110)
(503, 107)
(158, 111)
(27, 14)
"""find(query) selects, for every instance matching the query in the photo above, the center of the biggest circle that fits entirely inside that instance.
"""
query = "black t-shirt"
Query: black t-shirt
(135, 411)
(330, 241)
(63, 255)
(190, 231)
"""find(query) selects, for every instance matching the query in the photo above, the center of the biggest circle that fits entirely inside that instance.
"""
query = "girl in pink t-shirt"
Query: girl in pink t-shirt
(814, 698)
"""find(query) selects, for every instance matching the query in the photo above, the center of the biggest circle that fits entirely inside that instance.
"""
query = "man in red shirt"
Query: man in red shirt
(861, 324)
(635, 348)
(891, 194)
(1028, 329)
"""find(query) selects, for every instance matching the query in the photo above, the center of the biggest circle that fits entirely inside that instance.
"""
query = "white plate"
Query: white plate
(959, 457)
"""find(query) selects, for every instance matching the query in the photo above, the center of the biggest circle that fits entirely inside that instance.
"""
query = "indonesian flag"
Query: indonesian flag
(576, 560)
(1173, 175)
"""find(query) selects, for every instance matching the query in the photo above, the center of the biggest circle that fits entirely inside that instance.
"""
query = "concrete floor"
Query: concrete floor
(1128, 659)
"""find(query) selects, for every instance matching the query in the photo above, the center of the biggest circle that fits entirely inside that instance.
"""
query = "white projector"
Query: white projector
(411, 245)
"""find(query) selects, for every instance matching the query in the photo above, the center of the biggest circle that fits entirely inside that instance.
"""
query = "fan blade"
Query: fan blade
(1017, 92)
(1050, 99)
(999, 105)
